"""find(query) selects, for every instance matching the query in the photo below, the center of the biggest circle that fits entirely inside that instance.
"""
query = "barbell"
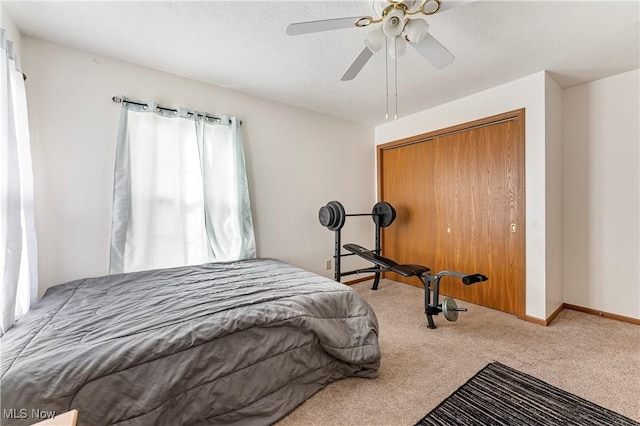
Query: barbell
(333, 215)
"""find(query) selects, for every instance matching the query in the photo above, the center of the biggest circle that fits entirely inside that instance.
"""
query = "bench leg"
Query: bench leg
(430, 323)
(376, 281)
(427, 303)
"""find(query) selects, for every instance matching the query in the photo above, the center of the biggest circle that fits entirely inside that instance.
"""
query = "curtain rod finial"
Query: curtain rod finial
(117, 99)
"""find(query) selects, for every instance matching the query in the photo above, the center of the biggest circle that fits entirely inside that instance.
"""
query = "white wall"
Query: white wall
(553, 195)
(528, 93)
(297, 160)
(602, 193)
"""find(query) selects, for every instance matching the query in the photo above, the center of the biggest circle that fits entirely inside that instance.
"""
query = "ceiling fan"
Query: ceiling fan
(398, 29)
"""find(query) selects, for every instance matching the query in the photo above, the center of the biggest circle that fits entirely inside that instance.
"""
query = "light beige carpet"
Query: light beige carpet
(595, 358)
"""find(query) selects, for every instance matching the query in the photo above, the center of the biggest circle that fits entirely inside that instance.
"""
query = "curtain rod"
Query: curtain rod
(119, 100)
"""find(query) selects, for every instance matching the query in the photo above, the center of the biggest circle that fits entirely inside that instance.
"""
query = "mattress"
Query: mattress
(222, 343)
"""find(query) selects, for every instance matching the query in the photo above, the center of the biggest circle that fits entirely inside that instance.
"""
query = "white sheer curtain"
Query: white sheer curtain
(226, 194)
(18, 259)
(180, 192)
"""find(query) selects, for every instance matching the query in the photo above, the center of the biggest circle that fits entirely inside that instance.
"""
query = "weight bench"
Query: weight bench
(448, 306)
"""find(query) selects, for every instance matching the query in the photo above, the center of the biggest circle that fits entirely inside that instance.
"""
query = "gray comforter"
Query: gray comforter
(241, 342)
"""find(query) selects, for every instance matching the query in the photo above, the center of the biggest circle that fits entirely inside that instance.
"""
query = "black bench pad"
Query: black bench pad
(386, 263)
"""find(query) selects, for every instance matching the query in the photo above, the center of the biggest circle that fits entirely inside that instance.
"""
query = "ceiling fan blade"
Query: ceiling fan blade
(358, 63)
(434, 52)
(322, 25)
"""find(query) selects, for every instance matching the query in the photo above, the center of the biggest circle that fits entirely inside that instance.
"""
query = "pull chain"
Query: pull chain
(395, 74)
(386, 74)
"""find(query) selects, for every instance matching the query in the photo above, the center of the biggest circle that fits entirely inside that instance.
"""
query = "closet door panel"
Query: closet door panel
(460, 203)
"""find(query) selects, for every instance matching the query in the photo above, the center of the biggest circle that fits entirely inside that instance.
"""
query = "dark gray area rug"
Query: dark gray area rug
(500, 395)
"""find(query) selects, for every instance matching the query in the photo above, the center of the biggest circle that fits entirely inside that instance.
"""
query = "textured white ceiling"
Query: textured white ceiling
(242, 45)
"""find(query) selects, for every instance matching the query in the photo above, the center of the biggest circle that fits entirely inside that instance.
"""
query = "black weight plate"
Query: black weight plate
(383, 214)
(325, 215)
(334, 215)
(339, 217)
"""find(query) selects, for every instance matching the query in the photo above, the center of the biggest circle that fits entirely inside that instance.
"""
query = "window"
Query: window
(180, 190)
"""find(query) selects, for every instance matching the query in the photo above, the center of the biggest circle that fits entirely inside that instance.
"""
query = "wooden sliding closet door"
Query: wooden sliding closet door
(459, 197)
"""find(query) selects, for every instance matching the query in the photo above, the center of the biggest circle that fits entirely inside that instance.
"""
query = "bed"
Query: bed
(222, 343)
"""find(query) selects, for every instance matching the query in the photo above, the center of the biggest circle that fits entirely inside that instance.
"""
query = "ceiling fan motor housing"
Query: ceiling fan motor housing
(379, 6)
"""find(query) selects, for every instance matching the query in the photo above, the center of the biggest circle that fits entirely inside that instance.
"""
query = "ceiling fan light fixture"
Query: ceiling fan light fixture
(397, 47)
(393, 23)
(415, 30)
(375, 40)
